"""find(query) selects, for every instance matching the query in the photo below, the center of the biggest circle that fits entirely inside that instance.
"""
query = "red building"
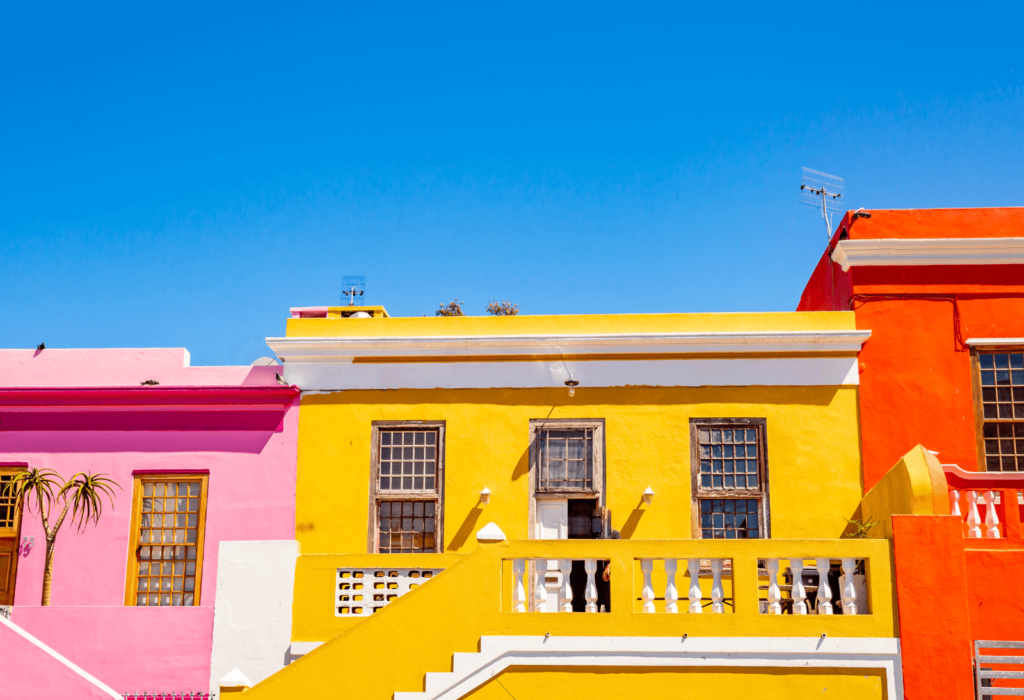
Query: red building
(942, 292)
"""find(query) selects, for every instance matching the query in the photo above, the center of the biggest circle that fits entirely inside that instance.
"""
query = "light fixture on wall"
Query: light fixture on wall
(648, 495)
(572, 382)
(485, 496)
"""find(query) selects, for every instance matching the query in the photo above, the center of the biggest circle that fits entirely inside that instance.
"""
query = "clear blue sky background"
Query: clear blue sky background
(180, 175)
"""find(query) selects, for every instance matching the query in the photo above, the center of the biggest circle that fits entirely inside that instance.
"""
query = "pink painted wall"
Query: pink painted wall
(119, 367)
(251, 497)
(29, 673)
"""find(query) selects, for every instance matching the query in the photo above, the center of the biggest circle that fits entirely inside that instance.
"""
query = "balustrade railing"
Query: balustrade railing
(988, 503)
(804, 586)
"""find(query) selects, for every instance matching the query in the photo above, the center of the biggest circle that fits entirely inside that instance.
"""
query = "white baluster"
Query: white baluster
(973, 517)
(717, 594)
(991, 518)
(540, 591)
(693, 566)
(647, 566)
(671, 594)
(774, 594)
(954, 503)
(590, 565)
(849, 593)
(824, 590)
(799, 594)
(565, 593)
(519, 588)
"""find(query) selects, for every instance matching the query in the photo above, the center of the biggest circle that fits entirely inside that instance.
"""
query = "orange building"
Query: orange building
(942, 292)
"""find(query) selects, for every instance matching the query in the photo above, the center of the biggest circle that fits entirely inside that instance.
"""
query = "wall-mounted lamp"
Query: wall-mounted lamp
(572, 382)
(485, 496)
(648, 495)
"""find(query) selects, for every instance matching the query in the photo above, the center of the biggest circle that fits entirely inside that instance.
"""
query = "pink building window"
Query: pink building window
(168, 520)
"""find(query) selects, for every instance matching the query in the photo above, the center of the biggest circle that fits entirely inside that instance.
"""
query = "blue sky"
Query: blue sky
(180, 175)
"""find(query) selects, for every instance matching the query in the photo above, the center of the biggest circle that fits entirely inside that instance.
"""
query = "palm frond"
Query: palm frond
(86, 492)
(38, 483)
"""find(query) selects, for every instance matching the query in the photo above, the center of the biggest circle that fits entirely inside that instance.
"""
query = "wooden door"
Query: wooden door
(10, 537)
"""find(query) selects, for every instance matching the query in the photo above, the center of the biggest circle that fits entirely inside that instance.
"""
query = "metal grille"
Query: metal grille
(408, 460)
(407, 527)
(985, 675)
(365, 591)
(1002, 403)
(167, 543)
(566, 460)
(728, 458)
(729, 518)
(7, 503)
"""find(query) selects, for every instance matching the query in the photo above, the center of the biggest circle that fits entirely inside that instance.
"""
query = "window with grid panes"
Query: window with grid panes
(729, 480)
(408, 479)
(1002, 410)
(7, 502)
(566, 460)
(168, 541)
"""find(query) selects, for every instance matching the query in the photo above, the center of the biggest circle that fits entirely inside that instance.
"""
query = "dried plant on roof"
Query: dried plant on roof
(452, 308)
(502, 308)
(81, 495)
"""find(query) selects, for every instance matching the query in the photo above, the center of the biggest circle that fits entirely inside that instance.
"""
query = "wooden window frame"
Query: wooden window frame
(14, 532)
(979, 406)
(132, 573)
(533, 475)
(764, 524)
(372, 537)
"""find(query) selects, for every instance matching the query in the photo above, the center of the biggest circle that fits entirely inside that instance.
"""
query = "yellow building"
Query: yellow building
(571, 506)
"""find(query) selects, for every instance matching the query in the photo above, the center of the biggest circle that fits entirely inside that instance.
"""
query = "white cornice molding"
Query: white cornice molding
(981, 342)
(330, 350)
(929, 251)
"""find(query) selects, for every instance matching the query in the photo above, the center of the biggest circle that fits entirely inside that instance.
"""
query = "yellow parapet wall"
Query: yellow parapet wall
(563, 325)
(420, 631)
(916, 485)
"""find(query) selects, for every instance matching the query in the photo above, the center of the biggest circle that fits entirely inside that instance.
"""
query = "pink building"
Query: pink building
(204, 455)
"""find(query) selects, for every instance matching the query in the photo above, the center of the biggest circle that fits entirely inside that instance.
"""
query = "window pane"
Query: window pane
(410, 534)
(417, 456)
(1002, 409)
(173, 521)
(733, 451)
(566, 459)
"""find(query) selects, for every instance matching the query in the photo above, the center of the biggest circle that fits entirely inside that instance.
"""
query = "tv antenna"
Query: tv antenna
(823, 192)
(353, 286)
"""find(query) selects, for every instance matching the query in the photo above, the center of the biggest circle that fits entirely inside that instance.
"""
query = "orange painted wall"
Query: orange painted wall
(915, 382)
(935, 624)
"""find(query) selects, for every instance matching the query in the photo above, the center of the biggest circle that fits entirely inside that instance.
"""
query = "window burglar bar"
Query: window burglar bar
(984, 675)
(566, 460)
(147, 695)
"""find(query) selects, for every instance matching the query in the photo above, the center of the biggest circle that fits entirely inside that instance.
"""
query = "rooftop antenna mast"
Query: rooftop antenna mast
(823, 192)
(352, 287)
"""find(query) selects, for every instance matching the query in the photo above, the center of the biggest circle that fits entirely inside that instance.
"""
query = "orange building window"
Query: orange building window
(1002, 410)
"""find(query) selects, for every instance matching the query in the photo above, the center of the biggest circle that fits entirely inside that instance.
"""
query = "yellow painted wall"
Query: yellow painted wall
(813, 457)
(582, 324)
(616, 683)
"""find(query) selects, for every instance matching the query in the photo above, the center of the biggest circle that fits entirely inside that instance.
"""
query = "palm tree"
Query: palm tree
(82, 495)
